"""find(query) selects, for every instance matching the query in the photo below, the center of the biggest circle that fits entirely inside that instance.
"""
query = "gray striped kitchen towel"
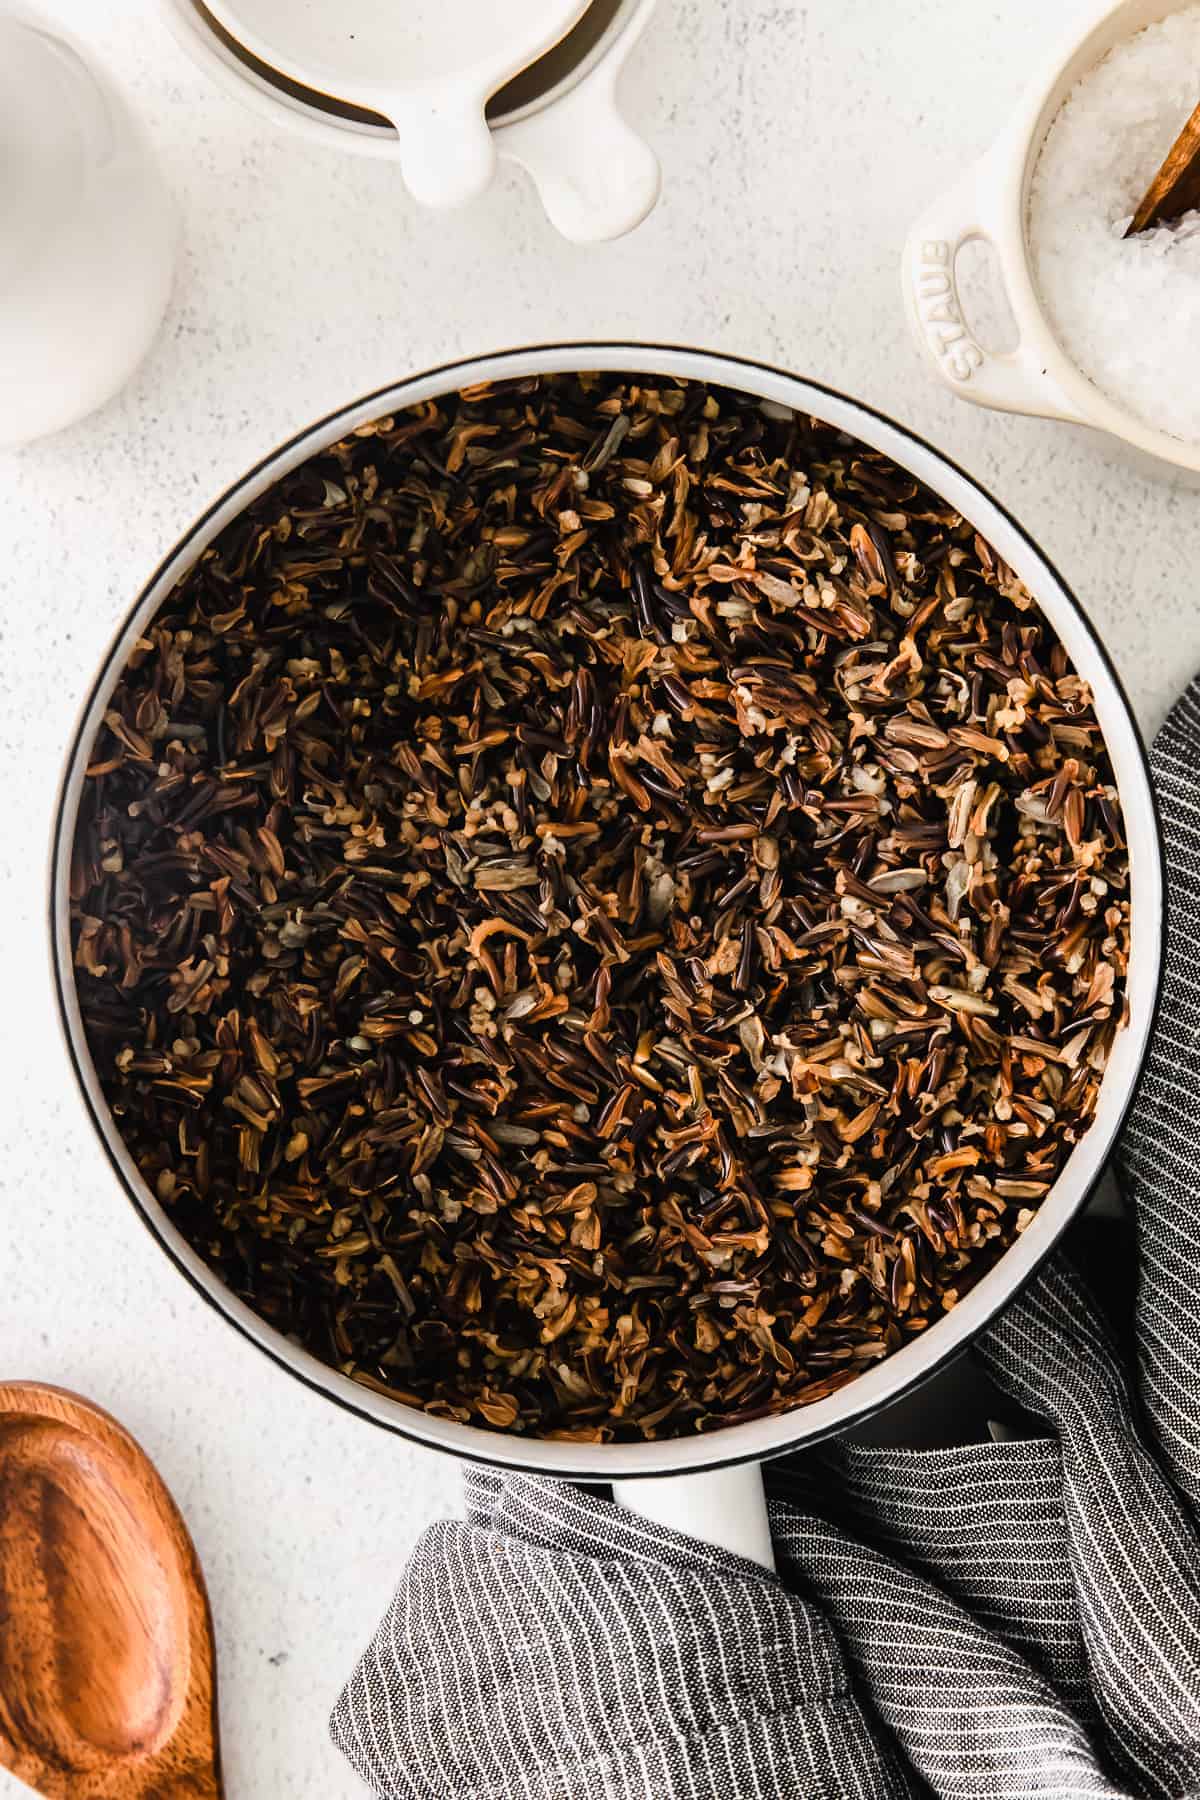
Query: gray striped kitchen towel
(1001, 1619)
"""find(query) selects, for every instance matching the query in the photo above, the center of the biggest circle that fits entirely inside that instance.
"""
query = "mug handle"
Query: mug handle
(726, 1507)
(595, 176)
(1013, 381)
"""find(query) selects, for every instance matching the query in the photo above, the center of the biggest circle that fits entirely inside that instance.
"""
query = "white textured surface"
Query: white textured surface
(798, 142)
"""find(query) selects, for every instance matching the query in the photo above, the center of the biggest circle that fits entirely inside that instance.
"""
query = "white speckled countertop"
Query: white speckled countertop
(797, 141)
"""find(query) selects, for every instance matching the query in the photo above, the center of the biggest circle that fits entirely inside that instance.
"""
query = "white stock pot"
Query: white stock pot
(708, 1485)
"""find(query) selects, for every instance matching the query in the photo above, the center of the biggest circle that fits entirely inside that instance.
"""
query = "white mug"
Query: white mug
(87, 234)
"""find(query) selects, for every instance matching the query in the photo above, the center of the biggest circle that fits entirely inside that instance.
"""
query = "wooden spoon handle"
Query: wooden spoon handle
(200, 1782)
(1176, 187)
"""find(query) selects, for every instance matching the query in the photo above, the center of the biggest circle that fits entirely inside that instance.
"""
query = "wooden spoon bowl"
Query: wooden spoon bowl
(107, 1687)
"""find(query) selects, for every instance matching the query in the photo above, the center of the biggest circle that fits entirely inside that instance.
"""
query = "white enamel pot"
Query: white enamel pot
(559, 120)
(991, 202)
(707, 1485)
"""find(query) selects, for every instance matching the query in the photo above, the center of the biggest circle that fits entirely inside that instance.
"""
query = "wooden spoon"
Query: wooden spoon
(1176, 187)
(107, 1688)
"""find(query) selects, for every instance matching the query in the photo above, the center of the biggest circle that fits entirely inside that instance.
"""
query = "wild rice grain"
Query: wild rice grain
(599, 907)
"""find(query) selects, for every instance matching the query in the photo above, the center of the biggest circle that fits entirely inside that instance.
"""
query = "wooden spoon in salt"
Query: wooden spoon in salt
(1176, 187)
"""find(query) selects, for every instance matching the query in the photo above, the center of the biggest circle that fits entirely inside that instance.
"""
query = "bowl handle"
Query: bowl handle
(447, 156)
(725, 1507)
(596, 177)
(1013, 381)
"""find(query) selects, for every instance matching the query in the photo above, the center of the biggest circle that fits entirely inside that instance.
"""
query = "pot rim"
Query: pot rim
(897, 1374)
(291, 111)
(1014, 158)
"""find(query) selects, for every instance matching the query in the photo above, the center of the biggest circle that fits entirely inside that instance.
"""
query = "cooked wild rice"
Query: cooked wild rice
(600, 906)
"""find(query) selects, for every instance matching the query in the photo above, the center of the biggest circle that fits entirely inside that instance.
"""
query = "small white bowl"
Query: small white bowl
(559, 120)
(990, 202)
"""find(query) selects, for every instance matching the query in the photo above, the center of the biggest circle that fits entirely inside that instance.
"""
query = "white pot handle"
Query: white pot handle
(725, 1507)
(1012, 381)
(596, 177)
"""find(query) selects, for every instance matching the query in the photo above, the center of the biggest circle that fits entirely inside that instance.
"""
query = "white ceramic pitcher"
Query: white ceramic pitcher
(87, 234)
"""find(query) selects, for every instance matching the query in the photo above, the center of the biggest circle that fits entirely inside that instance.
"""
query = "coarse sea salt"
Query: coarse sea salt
(1126, 310)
